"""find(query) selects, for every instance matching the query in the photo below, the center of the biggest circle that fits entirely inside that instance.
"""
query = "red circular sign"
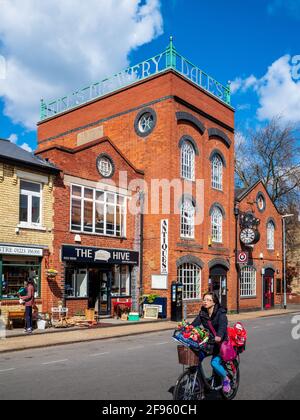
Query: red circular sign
(243, 257)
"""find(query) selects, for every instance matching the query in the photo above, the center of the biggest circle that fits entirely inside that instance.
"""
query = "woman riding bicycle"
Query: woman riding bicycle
(212, 312)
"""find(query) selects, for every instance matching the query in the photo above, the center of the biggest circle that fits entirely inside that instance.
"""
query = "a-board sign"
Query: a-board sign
(151, 312)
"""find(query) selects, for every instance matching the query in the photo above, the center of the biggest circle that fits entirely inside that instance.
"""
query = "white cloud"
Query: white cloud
(54, 47)
(13, 138)
(278, 92)
(243, 84)
(26, 147)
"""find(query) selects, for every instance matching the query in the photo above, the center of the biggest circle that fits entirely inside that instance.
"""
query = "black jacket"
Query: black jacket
(218, 319)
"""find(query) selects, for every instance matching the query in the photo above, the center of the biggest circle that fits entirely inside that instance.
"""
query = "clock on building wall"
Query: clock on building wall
(249, 236)
(249, 228)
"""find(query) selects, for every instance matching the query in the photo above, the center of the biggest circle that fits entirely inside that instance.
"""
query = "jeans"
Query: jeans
(217, 366)
(28, 317)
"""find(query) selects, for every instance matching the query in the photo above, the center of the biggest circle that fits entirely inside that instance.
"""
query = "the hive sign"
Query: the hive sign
(102, 255)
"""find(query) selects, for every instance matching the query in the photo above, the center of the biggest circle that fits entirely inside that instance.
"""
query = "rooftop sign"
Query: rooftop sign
(169, 59)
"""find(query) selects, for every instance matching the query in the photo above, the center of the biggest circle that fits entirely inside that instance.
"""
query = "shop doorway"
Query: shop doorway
(269, 300)
(100, 282)
(218, 283)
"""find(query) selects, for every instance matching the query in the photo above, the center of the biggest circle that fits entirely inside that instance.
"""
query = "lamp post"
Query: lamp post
(284, 217)
(236, 214)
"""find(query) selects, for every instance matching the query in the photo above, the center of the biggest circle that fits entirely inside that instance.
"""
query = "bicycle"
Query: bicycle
(193, 384)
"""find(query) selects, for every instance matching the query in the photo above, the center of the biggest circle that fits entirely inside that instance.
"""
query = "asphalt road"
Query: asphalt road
(144, 367)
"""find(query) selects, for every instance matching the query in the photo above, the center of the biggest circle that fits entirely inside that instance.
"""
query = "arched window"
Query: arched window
(188, 161)
(189, 275)
(217, 172)
(271, 236)
(217, 225)
(248, 282)
(187, 219)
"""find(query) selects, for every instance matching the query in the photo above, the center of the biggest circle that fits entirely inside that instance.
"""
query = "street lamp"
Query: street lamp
(284, 217)
(236, 215)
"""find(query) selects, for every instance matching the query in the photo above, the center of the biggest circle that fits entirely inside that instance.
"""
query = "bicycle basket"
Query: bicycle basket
(187, 357)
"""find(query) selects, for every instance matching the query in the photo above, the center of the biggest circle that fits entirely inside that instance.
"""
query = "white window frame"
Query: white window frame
(190, 276)
(248, 282)
(188, 161)
(271, 236)
(217, 225)
(187, 222)
(217, 172)
(82, 199)
(30, 195)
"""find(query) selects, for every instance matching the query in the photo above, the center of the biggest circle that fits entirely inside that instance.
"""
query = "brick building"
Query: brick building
(162, 122)
(26, 223)
(261, 279)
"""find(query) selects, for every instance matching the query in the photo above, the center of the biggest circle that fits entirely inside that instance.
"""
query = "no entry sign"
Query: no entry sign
(243, 257)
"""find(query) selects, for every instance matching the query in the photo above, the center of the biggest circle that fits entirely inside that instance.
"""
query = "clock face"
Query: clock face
(247, 236)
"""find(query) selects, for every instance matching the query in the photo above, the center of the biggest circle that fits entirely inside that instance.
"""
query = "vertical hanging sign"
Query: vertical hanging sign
(164, 252)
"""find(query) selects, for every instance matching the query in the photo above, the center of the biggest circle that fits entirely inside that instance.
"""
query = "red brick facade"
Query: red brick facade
(261, 257)
(182, 109)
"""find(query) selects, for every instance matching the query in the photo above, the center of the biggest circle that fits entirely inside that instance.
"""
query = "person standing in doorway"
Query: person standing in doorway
(29, 303)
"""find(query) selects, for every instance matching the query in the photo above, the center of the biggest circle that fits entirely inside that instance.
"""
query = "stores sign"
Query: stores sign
(15, 250)
(164, 246)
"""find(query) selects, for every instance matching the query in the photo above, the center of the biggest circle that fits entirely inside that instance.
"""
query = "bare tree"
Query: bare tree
(271, 154)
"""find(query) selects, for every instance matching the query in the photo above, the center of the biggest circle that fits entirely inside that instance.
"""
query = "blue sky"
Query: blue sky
(253, 43)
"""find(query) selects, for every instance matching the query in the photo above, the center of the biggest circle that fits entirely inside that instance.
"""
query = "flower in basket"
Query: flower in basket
(51, 273)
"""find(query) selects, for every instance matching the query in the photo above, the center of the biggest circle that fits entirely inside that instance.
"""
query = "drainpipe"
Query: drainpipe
(142, 198)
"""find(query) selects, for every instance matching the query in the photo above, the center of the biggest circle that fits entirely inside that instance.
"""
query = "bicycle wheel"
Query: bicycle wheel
(235, 383)
(188, 387)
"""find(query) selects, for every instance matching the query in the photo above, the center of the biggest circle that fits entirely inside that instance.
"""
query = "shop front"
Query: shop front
(98, 278)
(18, 264)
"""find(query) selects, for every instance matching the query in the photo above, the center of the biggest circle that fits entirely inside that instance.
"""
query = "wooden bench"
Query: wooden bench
(12, 315)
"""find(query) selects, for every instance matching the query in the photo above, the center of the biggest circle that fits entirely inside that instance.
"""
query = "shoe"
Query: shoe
(226, 386)
(29, 331)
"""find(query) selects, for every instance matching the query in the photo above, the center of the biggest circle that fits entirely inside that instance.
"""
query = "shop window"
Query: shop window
(121, 281)
(30, 204)
(76, 283)
(98, 212)
(15, 273)
(190, 276)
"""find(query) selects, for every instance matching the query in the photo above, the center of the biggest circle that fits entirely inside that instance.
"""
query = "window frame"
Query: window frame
(188, 170)
(271, 236)
(195, 286)
(217, 225)
(248, 285)
(30, 195)
(122, 212)
(217, 172)
(187, 231)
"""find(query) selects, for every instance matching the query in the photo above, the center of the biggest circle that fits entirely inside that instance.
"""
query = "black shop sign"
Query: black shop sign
(99, 255)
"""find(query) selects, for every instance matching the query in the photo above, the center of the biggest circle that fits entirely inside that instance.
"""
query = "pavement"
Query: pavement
(14, 341)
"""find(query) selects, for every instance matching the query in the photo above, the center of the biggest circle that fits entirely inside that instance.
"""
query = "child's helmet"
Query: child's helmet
(240, 334)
